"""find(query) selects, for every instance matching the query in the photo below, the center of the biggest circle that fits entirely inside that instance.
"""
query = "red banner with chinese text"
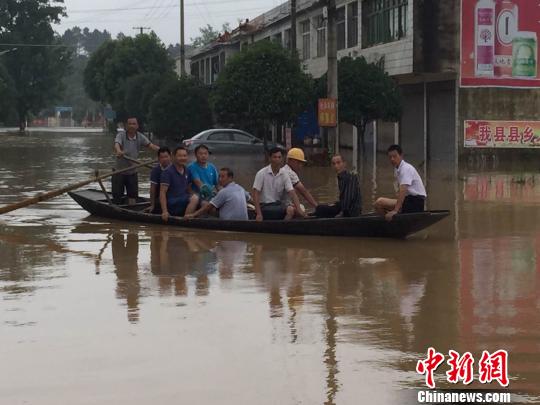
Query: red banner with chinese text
(502, 134)
(499, 43)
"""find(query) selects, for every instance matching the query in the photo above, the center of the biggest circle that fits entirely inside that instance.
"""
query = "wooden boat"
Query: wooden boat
(370, 225)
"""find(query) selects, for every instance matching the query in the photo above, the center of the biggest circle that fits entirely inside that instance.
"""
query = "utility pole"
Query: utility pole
(293, 25)
(332, 75)
(182, 41)
(141, 29)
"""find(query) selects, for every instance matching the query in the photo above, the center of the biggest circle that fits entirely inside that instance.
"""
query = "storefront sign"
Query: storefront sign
(502, 134)
(499, 43)
(327, 112)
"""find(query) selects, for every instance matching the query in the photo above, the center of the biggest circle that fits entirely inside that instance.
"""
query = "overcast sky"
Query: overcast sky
(162, 16)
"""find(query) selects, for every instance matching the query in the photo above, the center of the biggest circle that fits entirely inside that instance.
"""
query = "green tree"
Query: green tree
(115, 62)
(208, 35)
(36, 71)
(262, 85)
(366, 93)
(85, 42)
(180, 109)
(140, 90)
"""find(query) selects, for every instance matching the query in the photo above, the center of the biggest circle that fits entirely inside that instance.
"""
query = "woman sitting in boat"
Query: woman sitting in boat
(230, 203)
(350, 198)
(176, 196)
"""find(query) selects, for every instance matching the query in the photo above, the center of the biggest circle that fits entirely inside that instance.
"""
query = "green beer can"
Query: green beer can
(525, 52)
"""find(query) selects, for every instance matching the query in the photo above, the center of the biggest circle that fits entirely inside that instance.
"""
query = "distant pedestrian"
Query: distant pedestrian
(411, 195)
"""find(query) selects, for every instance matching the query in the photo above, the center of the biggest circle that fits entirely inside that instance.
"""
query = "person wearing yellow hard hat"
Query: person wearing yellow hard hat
(295, 161)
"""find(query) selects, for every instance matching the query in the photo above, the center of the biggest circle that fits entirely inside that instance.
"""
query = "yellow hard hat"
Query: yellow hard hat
(296, 154)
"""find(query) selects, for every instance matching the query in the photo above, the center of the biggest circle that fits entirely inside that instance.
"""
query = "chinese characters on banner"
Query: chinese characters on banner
(492, 367)
(499, 43)
(502, 134)
(327, 112)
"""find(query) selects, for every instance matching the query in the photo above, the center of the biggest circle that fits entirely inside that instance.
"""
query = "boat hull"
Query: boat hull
(370, 225)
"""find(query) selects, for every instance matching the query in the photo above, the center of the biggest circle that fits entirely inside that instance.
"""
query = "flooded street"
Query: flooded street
(94, 311)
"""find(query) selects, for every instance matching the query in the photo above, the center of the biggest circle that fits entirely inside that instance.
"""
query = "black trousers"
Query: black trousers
(327, 211)
(413, 203)
(127, 182)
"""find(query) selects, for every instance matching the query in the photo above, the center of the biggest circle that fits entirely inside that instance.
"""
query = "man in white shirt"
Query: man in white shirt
(412, 193)
(270, 190)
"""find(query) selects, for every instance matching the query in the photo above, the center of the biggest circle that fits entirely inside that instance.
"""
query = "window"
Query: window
(222, 60)
(277, 38)
(287, 39)
(340, 28)
(207, 71)
(321, 36)
(383, 21)
(238, 137)
(215, 69)
(220, 136)
(195, 69)
(305, 29)
(352, 24)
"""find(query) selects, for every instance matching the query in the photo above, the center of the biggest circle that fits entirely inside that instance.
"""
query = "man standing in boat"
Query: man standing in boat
(350, 197)
(411, 194)
(164, 161)
(270, 190)
(295, 161)
(128, 143)
(176, 196)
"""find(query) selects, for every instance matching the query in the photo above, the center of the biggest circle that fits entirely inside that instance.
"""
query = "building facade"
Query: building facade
(419, 45)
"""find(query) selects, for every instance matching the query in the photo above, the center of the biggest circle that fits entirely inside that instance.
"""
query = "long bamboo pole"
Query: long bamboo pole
(55, 193)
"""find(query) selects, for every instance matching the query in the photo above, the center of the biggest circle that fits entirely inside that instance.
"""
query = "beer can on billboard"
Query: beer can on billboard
(506, 27)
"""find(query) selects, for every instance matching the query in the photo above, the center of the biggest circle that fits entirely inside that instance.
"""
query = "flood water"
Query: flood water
(94, 311)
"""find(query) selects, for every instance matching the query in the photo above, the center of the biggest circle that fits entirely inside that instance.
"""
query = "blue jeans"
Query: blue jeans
(177, 206)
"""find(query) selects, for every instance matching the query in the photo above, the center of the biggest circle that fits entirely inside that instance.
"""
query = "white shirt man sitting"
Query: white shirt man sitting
(270, 190)
(412, 193)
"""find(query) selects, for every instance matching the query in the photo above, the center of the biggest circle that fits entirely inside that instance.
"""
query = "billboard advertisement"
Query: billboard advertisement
(327, 112)
(499, 43)
(502, 134)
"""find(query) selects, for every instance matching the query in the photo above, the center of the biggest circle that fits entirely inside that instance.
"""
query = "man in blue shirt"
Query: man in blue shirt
(164, 158)
(231, 200)
(204, 174)
(176, 196)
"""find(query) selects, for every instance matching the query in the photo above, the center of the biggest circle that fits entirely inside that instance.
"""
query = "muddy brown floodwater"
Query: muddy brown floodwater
(101, 312)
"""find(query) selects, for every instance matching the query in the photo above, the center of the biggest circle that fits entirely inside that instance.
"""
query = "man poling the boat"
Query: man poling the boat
(176, 196)
(270, 190)
(411, 194)
(230, 201)
(203, 174)
(128, 143)
(164, 161)
(350, 198)
(295, 161)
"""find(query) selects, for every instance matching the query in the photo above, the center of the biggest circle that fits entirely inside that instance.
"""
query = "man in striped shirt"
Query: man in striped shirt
(350, 198)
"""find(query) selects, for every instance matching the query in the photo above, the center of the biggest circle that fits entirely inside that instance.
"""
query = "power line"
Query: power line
(89, 10)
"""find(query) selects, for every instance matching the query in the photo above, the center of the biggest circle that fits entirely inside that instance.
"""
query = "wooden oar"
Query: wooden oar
(55, 193)
(149, 165)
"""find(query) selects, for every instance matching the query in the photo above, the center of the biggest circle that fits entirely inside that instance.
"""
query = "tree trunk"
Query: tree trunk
(362, 145)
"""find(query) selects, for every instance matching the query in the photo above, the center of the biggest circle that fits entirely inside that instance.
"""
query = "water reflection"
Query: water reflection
(321, 320)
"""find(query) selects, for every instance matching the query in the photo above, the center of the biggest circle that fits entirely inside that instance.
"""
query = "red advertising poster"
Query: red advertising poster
(499, 43)
(502, 134)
